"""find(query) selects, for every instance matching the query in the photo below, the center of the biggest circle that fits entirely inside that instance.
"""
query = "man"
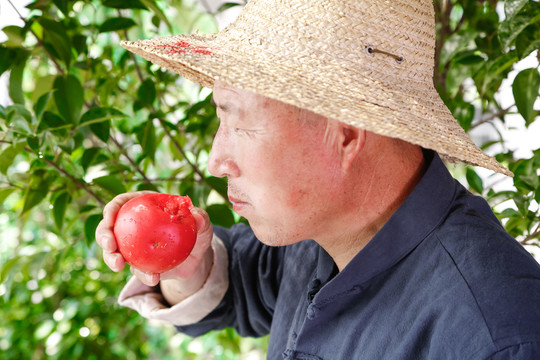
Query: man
(331, 131)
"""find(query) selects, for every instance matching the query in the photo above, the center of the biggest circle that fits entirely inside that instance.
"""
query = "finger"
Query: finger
(148, 279)
(202, 221)
(105, 237)
(204, 232)
(111, 209)
(114, 261)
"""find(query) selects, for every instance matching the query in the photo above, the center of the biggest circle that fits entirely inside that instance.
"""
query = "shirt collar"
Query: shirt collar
(422, 211)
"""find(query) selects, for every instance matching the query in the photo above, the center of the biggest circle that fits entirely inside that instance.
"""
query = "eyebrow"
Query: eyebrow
(225, 107)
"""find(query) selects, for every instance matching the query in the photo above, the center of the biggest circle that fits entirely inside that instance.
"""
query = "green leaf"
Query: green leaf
(124, 4)
(475, 182)
(99, 114)
(88, 157)
(15, 36)
(218, 184)
(512, 27)
(147, 186)
(525, 89)
(506, 213)
(147, 139)
(115, 24)
(512, 7)
(34, 142)
(495, 70)
(56, 35)
(227, 5)
(8, 266)
(69, 97)
(460, 70)
(464, 113)
(111, 184)
(6, 58)
(62, 5)
(90, 226)
(51, 121)
(19, 120)
(528, 40)
(18, 110)
(8, 155)
(98, 118)
(221, 215)
(4, 193)
(36, 191)
(158, 12)
(41, 104)
(456, 43)
(79, 44)
(59, 208)
(146, 93)
(15, 83)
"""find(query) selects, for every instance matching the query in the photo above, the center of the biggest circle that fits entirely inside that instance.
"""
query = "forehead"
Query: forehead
(238, 104)
(226, 96)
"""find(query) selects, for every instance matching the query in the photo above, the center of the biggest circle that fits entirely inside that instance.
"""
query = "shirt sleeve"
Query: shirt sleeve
(255, 274)
(149, 302)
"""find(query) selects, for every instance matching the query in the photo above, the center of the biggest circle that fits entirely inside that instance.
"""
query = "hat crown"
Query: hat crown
(313, 54)
(338, 33)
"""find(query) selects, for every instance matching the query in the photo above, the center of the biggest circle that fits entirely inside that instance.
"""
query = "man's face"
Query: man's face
(281, 173)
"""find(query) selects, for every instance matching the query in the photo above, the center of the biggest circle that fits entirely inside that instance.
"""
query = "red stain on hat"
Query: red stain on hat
(181, 47)
(183, 44)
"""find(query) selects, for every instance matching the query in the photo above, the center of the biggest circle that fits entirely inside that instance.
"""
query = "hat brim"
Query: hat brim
(418, 116)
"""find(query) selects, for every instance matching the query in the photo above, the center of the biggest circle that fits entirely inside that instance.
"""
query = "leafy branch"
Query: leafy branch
(75, 181)
(39, 40)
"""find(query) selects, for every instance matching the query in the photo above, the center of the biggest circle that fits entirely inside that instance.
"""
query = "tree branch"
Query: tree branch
(77, 182)
(39, 40)
(529, 238)
(443, 8)
(491, 117)
(124, 152)
(137, 68)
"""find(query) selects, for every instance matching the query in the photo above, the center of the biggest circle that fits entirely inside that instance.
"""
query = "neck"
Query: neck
(374, 201)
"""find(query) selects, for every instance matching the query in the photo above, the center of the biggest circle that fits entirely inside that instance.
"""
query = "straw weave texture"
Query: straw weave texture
(312, 54)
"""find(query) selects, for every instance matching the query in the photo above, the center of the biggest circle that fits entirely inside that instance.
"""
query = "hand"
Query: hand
(188, 268)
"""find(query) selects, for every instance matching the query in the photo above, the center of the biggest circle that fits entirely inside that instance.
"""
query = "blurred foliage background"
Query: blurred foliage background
(85, 120)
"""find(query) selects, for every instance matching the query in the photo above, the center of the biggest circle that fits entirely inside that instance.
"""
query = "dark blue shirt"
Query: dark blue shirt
(441, 280)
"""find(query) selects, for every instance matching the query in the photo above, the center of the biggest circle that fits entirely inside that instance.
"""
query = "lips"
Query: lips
(238, 202)
(235, 200)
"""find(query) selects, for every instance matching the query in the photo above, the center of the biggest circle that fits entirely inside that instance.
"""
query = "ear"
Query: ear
(351, 142)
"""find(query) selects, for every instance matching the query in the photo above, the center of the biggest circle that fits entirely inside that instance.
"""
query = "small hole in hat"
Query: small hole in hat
(370, 50)
(399, 59)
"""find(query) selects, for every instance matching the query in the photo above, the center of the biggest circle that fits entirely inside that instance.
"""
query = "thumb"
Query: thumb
(204, 232)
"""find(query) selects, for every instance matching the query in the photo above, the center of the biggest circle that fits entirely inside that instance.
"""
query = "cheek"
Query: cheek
(306, 179)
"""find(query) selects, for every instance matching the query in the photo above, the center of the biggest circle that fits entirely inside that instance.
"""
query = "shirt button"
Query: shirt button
(311, 312)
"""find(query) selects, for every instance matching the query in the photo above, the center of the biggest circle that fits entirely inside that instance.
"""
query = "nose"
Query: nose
(222, 160)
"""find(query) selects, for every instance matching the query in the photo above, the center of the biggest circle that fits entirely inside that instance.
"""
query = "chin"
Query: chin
(274, 236)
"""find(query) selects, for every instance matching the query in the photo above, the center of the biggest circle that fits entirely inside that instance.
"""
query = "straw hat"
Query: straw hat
(366, 63)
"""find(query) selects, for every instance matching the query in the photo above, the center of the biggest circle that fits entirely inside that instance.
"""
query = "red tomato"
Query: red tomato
(155, 232)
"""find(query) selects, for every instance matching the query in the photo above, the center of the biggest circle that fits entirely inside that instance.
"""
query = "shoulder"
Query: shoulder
(500, 275)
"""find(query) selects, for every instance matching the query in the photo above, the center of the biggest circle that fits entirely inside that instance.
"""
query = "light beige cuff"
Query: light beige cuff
(151, 304)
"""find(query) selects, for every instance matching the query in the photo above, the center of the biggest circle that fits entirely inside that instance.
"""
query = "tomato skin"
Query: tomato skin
(155, 232)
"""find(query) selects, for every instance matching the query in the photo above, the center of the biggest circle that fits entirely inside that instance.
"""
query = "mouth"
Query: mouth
(237, 197)
(237, 203)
